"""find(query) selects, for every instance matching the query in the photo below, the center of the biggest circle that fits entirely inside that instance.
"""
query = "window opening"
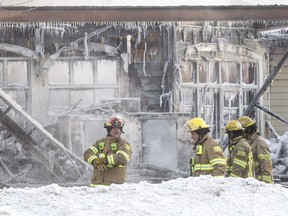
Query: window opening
(83, 72)
(15, 80)
(59, 73)
(1, 73)
(17, 73)
(82, 82)
(218, 91)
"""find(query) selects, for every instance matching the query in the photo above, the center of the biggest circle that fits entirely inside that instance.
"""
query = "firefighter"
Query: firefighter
(209, 158)
(261, 153)
(109, 155)
(240, 158)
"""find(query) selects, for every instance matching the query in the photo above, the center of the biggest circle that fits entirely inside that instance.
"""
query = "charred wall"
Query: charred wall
(150, 73)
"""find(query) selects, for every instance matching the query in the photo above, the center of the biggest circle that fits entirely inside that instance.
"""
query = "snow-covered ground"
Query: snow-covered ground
(198, 196)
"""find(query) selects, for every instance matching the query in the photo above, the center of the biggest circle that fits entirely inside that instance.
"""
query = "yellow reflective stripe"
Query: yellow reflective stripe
(121, 166)
(124, 154)
(110, 160)
(192, 161)
(218, 161)
(250, 165)
(264, 157)
(203, 167)
(95, 185)
(233, 175)
(250, 171)
(199, 149)
(93, 149)
(240, 162)
(111, 166)
(266, 179)
(91, 158)
(192, 164)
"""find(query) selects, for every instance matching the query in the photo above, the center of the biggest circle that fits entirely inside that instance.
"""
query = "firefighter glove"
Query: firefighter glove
(101, 167)
(98, 161)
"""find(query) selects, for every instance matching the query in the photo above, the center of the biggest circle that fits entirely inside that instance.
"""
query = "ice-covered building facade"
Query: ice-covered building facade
(71, 67)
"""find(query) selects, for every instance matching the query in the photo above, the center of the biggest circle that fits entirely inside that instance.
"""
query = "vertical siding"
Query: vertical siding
(279, 90)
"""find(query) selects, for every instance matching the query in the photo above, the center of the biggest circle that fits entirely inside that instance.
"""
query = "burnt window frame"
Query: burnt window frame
(14, 90)
(72, 88)
(215, 117)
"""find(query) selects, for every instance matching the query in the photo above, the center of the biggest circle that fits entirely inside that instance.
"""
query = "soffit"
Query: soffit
(146, 14)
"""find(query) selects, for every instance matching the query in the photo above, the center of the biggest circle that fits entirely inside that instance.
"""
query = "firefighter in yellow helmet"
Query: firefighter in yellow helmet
(109, 155)
(240, 158)
(208, 157)
(261, 153)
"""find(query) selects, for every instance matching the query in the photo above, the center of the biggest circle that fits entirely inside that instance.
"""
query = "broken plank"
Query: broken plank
(38, 127)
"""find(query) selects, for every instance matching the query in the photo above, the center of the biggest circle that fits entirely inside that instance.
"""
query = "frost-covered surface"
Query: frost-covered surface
(138, 3)
(279, 152)
(205, 196)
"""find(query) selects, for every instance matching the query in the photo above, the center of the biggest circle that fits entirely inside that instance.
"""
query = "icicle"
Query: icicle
(138, 40)
(128, 39)
(86, 51)
(144, 54)
(178, 75)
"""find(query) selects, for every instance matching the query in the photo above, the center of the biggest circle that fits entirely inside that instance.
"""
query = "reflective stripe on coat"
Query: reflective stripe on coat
(208, 158)
(240, 159)
(262, 158)
(117, 152)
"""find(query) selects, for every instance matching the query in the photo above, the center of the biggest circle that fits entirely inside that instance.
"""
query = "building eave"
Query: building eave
(126, 14)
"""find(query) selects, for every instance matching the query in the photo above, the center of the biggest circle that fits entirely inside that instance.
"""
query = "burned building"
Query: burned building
(69, 68)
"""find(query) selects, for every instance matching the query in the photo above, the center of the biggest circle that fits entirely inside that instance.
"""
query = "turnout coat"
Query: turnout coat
(117, 152)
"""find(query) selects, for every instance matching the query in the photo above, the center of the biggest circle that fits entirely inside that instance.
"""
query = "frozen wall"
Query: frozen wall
(158, 140)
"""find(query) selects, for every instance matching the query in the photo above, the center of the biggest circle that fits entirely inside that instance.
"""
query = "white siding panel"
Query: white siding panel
(279, 93)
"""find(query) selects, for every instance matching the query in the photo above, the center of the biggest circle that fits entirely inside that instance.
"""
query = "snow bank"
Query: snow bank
(203, 196)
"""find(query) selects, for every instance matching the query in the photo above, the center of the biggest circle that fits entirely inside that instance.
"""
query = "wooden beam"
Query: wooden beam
(19, 50)
(125, 14)
(271, 113)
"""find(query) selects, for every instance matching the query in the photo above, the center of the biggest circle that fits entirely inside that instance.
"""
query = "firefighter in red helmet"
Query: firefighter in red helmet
(109, 155)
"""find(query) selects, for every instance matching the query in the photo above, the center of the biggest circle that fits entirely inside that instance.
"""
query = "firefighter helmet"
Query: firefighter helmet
(114, 121)
(196, 124)
(234, 125)
(245, 121)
